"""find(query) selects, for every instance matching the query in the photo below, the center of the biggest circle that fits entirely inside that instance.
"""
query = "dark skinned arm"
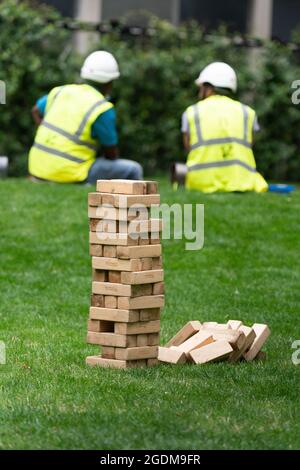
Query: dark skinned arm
(36, 115)
(111, 152)
(186, 141)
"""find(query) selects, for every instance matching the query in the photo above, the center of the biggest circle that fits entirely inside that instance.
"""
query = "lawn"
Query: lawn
(249, 269)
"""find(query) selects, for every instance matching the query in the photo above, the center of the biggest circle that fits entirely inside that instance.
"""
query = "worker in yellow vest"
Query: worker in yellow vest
(72, 121)
(218, 134)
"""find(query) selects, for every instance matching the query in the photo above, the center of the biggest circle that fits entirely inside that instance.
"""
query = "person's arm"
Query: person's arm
(185, 132)
(105, 130)
(38, 110)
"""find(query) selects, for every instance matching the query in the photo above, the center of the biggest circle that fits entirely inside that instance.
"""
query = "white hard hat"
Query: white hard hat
(100, 66)
(218, 74)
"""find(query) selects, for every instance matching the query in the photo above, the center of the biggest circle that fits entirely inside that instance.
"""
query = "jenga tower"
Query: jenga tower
(127, 287)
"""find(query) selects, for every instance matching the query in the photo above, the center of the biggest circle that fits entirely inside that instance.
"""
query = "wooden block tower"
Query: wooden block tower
(127, 287)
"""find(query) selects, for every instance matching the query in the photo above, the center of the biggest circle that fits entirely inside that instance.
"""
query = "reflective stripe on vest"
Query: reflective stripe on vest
(204, 166)
(68, 135)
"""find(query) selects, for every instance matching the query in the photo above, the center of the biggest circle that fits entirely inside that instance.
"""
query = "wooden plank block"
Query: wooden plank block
(107, 339)
(111, 214)
(213, 352)
(234, 324)
(157, 261)
(94, 325)
(114, 276)
(110, 301)
(127, 252)
(198, 340)
(171, 356)
(209, 324)
(114, 315)
(104, 362)
(153, 339)
(97, 300)
(125, 201)
(108, 288)
(99, 275)
(96, 250)
(235, 337)
(145, 352)
(145, 226)
(249, 338)
(188, 330)
(158, 288)
(151, 187)
(152, 362)
(146, 264)
(146, 301)
(115, 264)
(137, 328)
(262, 333)
(119, 186)
(142, 277)
(149, 314)
(108, 352)
(139, 290)
(109, 251)
(104, 238)
(142, 340)
(94, 199)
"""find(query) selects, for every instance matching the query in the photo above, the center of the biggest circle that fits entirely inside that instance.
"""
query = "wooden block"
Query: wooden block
(94, 199)
(171, 356)
(94, 325)
(198, 340)
(145, 352)
(99, 275)
(143, 227)
(139, 290)
(149, 314)
(209, 324)
(151, 187)
(213, 352)
(110, 289)
(110, 215)
(109, 251)
(153, 339)
(115, 264)
(158, 288)
(142, 340)
(249, 338)
(222, 326)
(104, 238)
(142, 277)
(234, 337)
(234, 324)
(97, 300)
(127, 252)
(262, 333)
(152, 362)
(137, 328)
(146, 301)
(146, 264)
(104, 362)
(157, 262)
(110, 301)
(114, 276)
(114, 315)
(144, 241)
(188, 330)
(96, 250)
(108, 352)
(125, 201)
(108, 339)
(120, 186)
(154, 239)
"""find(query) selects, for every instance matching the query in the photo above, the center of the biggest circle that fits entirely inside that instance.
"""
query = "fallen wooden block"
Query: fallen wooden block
(209, 324)
(249, 338)
(262, 333)
(146, 301)
(126, 201)
(198, 340)
(114, 315)
(234, 324)
(235, 337)
(115, 264)
(142, 277)
(186, 332)
(146, 352)
(148, 251)
(137, 328)
(121, 186)
(171, 356)
(213, 352)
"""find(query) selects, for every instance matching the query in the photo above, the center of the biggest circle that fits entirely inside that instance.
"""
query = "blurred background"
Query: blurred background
(161, 47)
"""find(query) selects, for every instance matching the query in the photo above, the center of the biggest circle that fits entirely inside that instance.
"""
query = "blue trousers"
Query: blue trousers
(105, 169)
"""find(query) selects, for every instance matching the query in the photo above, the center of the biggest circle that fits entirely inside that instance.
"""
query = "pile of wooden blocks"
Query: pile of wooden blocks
(211, 342)
(127, 288)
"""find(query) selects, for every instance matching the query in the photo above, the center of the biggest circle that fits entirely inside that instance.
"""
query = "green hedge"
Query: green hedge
(157, 84)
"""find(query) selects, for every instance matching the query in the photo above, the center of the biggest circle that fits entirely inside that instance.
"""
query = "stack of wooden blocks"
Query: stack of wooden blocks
(127, 287)
(200, 343)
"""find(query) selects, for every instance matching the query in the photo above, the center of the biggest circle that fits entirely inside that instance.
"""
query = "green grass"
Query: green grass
(248, 269)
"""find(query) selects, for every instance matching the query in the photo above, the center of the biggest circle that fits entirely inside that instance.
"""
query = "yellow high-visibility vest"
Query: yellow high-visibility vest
(63, 149)
(221, 156)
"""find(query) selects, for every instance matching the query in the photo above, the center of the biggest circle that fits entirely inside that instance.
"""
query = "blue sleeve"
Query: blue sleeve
(41, 104)
(104, 128)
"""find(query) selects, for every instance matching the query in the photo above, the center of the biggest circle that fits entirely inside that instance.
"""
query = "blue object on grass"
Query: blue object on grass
(281, 188)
